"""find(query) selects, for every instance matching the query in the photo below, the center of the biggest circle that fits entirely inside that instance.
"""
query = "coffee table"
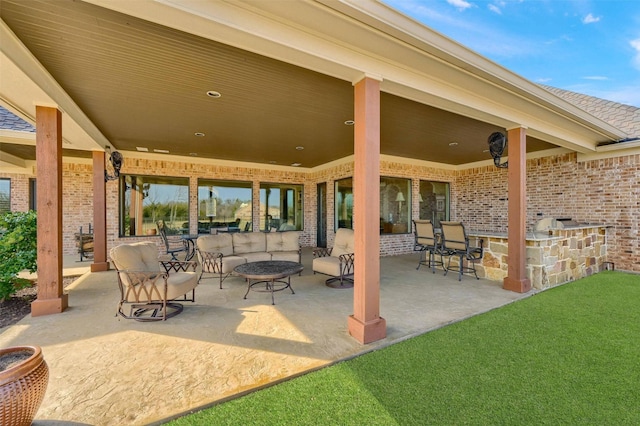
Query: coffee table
(269, 273)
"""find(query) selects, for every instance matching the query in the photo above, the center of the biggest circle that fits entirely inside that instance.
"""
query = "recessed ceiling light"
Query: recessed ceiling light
(485, 150)
(193, 154)
(349, 122)
(199, 134)
(142, 149)
(453, 143)
(299, 148)
(161, 151)
(214, 94)
(272, 162)
(296, 164)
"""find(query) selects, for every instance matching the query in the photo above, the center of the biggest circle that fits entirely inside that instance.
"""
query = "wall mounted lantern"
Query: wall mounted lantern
(497, 143)
(115, 160)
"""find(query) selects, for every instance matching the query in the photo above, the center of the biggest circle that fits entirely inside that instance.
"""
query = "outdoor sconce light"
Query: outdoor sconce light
(497, 143)
(115, 159)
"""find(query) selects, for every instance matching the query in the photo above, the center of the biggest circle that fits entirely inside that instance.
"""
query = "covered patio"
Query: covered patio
(252, 90)
(106, 370)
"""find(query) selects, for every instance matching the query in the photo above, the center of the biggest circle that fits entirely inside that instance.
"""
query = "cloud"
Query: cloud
(459, 4)
(590, 19)
(544, 79)
(494, 8)
(596, 77)
(636, 45)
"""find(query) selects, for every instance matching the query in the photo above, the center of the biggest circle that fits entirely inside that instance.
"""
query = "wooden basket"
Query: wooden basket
(22, 387)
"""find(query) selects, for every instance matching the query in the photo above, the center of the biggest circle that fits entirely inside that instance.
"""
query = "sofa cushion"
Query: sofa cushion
(220, 243)
(283, 241)
(249, 242)
(343, 243)
(257, 256)
(142, 256)
(291, 256)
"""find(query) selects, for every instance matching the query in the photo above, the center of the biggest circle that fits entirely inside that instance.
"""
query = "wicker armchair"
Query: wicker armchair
(152, 293)
(337, 262)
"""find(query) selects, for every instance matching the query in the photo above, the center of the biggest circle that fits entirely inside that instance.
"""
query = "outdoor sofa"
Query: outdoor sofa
(219, 254)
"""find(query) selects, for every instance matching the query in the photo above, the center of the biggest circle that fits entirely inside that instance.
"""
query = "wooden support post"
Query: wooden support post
(366, 325)
(99, 214)
(516, 279)
(51, 299)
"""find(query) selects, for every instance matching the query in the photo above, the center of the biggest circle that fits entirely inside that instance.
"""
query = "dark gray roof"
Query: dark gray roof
(9, 121)
(624, 117)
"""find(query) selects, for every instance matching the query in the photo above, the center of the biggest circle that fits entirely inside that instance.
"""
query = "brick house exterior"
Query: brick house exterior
(558, 185)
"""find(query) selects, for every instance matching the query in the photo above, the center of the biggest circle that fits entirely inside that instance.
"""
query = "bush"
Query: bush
(18, 250)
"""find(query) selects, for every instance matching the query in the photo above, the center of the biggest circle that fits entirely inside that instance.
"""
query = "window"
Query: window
(224, 204)
(5, 196)
(434, 201)
(395, 205)
(147, 199)
(280, 207)
(33, 194)
(344, 203)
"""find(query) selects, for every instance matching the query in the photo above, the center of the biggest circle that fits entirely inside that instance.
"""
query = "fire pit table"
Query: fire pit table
(268, 275)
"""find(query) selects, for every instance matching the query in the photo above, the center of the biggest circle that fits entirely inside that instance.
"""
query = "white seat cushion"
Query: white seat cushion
(328, 265)
(291, 256)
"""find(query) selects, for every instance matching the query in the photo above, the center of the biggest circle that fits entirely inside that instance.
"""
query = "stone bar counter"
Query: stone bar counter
(554, 256)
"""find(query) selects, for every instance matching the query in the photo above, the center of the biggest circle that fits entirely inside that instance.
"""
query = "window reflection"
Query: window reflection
(5, 196)
(224, 204)
(395, 205)
(434, 201)
(146, 199)
(281, 207)
(344, 203)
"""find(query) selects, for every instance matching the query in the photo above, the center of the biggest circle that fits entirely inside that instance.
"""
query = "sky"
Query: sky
(586, 46)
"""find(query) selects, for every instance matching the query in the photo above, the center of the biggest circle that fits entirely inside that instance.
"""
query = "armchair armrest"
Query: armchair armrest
(142, 286)
(178, 265)
(346, 263)
(321, 252)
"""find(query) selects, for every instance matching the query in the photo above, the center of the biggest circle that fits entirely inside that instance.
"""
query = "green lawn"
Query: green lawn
(566, 356)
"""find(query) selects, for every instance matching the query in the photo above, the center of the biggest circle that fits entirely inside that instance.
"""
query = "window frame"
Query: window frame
(437, 204)
(298, 207)
(150, 227)
(206, 222)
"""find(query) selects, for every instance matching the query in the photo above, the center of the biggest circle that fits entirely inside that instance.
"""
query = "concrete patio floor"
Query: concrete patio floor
(106, 370)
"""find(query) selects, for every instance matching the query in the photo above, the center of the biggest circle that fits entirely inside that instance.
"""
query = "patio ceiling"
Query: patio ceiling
(144, 85)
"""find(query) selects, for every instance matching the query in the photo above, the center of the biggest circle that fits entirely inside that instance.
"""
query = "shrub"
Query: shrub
(18, 250)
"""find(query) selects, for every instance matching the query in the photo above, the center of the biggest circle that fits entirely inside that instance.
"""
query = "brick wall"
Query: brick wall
(597, 191)
(603, 191)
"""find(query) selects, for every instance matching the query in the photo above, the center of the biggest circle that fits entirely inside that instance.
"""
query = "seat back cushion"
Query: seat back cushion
(453, 235)
(249, 242)
(219, 243)
(142, 256)
(283, 241)
(424, 232)
(344, 243)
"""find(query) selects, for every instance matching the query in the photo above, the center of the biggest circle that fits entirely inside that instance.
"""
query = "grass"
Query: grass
(569, 355)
